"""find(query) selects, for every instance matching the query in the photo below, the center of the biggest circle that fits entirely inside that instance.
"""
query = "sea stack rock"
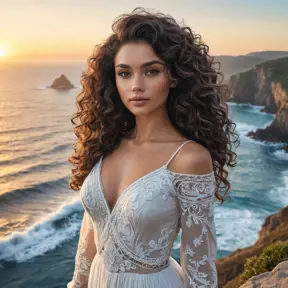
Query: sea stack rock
(62, 83)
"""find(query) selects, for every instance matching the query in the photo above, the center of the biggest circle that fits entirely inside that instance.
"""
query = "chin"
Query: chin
(141, 111)
(144, 109)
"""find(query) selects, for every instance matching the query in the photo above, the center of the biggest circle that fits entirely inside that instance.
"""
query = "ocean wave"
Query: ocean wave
(231, 236)
(20, 195)
(264, 143)
(246, 105)
(279, 193)
(44, 236)
(251, 108)
(28, 129)
(32, 170)
(244, 128)
(281, 155)
(52, 151)
(32, 139)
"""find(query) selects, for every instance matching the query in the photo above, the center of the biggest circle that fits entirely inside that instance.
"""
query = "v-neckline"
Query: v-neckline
(110, 212)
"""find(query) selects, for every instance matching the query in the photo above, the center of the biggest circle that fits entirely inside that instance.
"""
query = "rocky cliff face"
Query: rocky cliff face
(256, 87)
(278, 130)
(266, 85)
(275, 227)
(231, 65)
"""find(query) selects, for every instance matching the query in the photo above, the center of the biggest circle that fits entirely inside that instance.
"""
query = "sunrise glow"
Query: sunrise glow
(3, 53)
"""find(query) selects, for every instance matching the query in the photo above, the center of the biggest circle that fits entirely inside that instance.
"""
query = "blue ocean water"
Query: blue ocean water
(40, 215)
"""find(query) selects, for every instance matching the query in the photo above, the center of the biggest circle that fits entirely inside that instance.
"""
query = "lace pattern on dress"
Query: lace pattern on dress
(119, 259)
(84, 255)
(198, 240)
(122, 229)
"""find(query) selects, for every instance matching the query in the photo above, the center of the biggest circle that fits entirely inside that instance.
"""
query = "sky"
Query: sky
(69, 29)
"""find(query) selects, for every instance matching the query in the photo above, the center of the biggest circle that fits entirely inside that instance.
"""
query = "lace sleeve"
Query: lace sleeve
(198, 240)
(85, 253)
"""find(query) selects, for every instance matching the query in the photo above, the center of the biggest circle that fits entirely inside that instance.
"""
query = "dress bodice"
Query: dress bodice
(137, 236)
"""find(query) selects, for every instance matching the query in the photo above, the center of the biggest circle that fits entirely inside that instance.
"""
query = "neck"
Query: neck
(151, 127)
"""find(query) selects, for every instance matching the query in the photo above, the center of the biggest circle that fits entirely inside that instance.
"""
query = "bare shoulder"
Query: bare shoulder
(192, 158)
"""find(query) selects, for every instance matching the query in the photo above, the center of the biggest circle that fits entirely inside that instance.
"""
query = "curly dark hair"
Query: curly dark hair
(196, 106)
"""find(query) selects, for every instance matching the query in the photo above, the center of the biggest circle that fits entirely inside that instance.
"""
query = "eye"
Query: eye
(121, 74)
(153, 72)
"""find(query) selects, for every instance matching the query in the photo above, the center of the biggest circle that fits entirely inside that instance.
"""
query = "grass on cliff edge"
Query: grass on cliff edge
(270, 257)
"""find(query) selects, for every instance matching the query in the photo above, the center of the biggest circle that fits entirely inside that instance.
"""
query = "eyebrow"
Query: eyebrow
(143, 65)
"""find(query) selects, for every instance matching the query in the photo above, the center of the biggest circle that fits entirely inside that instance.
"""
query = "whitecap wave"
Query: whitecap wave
(254, 107)
(244, 128)
(43, 236)
(281, 155)
(231, 236)
(251, 108)
(279, 193)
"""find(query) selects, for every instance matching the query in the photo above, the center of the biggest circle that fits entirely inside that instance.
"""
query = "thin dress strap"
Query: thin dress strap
(176, 152)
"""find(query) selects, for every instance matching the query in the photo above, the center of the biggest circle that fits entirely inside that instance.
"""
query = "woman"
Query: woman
(153, 140)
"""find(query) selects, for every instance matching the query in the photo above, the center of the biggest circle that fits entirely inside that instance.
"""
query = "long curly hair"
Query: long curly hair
(196, 106)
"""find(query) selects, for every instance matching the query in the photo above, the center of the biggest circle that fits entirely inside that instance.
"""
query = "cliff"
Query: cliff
(278, 277)
(278, 130)
(266, 85)
(235, 64)
(275, 227)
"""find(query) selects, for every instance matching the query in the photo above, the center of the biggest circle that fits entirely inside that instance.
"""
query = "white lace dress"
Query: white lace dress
(131, 246)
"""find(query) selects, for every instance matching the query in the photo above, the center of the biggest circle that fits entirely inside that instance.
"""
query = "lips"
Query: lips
(138, 99)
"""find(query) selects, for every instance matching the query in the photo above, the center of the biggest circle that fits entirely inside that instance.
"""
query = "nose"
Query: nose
(137, 84)
(137, 89)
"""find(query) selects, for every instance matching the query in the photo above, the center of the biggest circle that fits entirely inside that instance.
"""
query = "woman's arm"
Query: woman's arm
(85, 253)
(195, 192)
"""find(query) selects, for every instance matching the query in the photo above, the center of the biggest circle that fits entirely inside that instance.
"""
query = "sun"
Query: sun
(3, 52)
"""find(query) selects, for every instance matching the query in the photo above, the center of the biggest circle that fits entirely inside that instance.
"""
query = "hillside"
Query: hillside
(274, 228)
(236, 64)
(269, 55)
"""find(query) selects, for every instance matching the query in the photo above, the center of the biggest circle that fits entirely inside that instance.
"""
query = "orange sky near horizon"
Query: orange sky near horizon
(59, 31)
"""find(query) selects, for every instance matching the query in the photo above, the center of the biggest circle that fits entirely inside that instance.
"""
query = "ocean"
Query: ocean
(40, 215)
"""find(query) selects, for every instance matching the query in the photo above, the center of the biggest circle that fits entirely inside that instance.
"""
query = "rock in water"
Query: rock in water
(62, 83)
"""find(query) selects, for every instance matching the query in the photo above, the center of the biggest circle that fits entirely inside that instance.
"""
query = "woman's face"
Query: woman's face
(140, 72)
